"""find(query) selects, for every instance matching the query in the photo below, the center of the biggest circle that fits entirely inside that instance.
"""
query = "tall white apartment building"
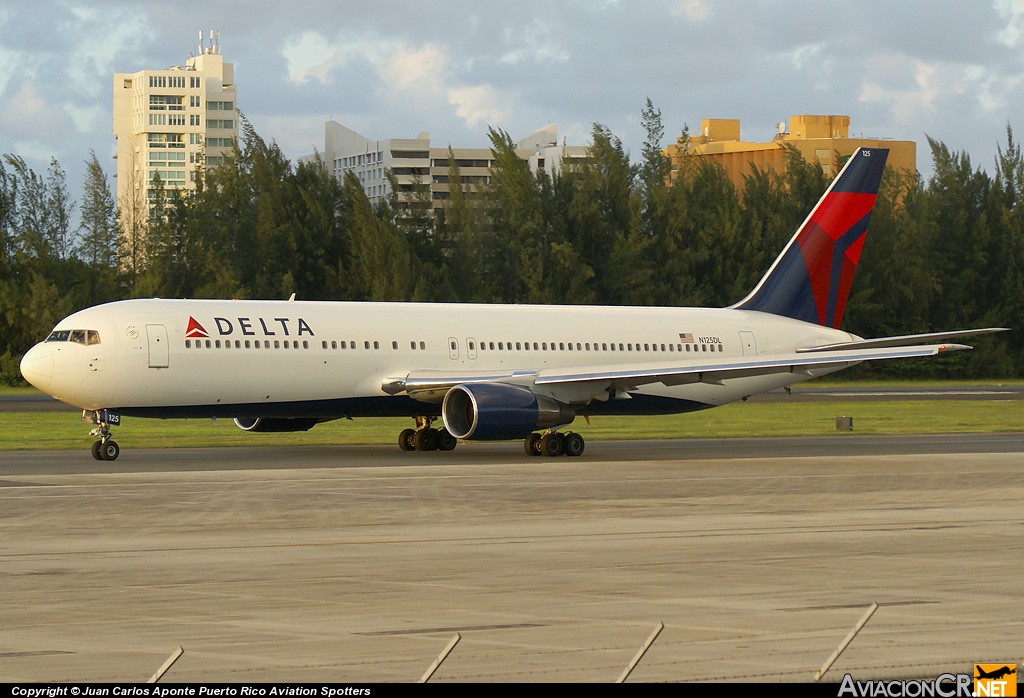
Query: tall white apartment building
(413, 160)
(170, 123)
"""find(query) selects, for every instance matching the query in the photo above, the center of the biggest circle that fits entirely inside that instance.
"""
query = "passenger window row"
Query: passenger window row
(245, 344)
(421, 346)
(596, 346)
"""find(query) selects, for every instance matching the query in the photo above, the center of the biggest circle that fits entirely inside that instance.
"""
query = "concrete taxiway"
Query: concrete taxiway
(361, 563)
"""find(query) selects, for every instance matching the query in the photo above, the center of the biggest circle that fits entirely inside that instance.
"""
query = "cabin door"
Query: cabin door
(748, 343)
(159, 352)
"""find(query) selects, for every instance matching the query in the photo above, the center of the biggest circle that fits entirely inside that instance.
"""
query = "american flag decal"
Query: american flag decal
(686, 337)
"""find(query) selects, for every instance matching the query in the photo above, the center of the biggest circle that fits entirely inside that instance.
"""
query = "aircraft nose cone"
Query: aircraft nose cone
(37, 366)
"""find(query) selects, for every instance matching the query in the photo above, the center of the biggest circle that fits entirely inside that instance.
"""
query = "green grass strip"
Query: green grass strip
(62, 430)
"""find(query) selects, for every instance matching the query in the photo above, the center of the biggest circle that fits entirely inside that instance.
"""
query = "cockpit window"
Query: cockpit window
(86, 337)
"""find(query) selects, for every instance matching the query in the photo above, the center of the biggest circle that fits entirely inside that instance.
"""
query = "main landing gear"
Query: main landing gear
(553, 444)
(425, 438)
(106, 448)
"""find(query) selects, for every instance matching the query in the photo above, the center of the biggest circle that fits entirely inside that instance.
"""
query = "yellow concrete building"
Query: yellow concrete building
(818, 138)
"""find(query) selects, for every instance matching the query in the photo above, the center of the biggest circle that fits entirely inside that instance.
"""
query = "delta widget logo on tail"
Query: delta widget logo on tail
(811, 279)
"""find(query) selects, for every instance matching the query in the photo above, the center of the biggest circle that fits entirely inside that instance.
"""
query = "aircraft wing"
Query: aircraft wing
(580, 384)
(715, 370)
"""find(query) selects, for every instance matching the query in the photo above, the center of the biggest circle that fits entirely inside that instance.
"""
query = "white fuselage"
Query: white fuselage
(179, 358)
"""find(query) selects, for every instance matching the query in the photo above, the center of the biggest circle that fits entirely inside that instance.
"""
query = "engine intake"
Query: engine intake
(276, 424)
(496, 411)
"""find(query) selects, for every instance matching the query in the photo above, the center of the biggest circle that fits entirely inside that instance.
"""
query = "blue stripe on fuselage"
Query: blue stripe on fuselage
(398, 406)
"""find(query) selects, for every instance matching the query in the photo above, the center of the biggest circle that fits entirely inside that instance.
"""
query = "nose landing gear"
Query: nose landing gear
(106, 448)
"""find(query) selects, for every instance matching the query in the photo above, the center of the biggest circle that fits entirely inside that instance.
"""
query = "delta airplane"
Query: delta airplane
(487, 371)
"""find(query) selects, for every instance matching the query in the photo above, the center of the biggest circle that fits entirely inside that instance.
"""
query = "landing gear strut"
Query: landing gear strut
(106, 448)
(553, 444)
(425, 438)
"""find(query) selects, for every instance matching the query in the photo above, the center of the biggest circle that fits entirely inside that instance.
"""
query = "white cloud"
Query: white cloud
(815, 62)
(478, 104)
(915, 89)
(418, 70)
(533, 43)
(910, 98)
(87, 119)
(1012, 12)
(310, 56)
(807, 55)
(400, 66)
(26, 115)
(37, 154)
(694, 10)
(992, 90)
(93, 47)
(10, 60)
(293, 134)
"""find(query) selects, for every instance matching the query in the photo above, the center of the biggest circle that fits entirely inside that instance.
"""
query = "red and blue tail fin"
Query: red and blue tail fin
(812, 277)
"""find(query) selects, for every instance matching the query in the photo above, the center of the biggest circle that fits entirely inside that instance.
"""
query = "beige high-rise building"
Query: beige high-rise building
(169, 124)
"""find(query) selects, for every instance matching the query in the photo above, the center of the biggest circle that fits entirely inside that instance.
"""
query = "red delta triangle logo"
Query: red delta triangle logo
(194, 329)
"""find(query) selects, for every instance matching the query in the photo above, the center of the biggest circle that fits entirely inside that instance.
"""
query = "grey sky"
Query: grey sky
(901, 70)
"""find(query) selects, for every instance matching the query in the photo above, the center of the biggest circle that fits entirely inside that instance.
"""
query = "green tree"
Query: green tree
(59, 210)
(459, 232)
(98, 242)
(31, 208)
(132, 225)
(380, 267)
(8, 215)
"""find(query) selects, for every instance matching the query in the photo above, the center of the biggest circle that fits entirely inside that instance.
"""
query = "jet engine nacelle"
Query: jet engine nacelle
(275, 424)
(495, 411)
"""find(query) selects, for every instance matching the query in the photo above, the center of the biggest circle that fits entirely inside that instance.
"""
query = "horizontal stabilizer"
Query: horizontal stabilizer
(904, 340)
